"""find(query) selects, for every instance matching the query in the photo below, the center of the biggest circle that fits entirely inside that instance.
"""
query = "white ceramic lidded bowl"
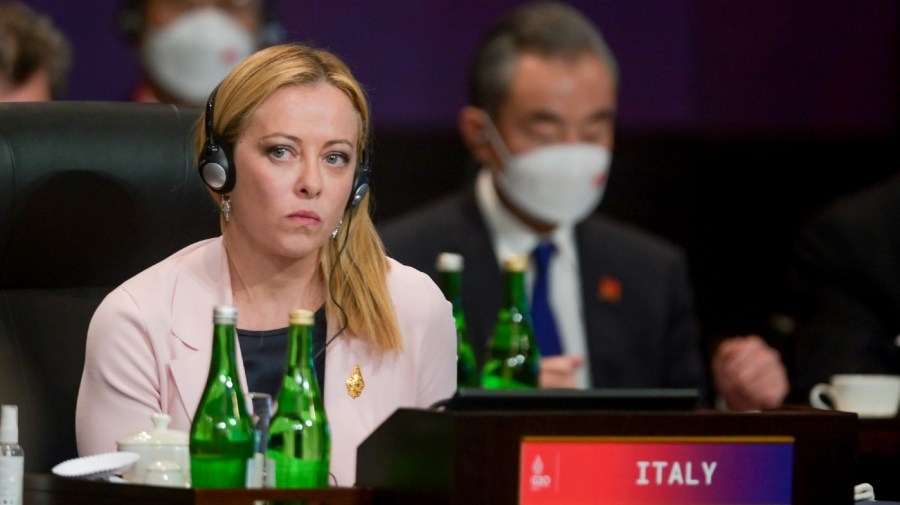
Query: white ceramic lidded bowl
(157, 445)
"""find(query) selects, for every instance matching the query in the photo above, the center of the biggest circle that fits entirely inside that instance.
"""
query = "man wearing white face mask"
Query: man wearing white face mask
(187, 46)
(619, 308)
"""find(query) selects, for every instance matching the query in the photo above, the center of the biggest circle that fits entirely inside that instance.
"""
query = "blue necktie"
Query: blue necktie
(545, 331)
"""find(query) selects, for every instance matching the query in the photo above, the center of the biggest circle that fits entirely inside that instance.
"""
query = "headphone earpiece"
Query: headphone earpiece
(215, 164)
(360, 181)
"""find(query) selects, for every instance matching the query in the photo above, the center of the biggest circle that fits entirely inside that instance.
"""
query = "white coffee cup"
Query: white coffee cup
(869, 395)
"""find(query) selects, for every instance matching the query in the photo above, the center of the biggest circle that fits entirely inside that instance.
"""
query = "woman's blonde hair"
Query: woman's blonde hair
(356, 276)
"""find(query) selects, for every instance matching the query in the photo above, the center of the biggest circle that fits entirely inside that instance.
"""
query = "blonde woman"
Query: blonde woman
(284, 159)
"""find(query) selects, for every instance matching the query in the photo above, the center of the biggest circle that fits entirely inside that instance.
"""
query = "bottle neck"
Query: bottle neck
(300, 387)
(223, 355)
(451, 285)
(514, 296)
(9, 425)
(299, 352)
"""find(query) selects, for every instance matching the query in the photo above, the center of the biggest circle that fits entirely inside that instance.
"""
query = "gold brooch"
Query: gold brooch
(355, 383)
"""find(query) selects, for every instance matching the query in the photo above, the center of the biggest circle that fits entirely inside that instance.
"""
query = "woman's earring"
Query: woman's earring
(337, 229)
(225, 205)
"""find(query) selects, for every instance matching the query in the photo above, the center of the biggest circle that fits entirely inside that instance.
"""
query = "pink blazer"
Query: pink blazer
(149, 344)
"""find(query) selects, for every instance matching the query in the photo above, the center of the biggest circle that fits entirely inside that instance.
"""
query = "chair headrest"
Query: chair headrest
(93, 192)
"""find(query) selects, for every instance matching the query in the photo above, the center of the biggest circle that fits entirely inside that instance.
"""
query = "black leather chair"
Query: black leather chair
(90, 194)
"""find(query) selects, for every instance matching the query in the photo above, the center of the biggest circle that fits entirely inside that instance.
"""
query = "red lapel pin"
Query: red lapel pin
(609, 289)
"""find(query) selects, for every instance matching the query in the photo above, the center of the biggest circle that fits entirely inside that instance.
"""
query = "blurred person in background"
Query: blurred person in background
(543, 92)
(35, 56)
(847, 275)
(187, 46)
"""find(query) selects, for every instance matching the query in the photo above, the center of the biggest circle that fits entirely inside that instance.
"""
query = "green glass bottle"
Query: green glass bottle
(449, 267)
(513, 360)
(299, 435)
(221, 438)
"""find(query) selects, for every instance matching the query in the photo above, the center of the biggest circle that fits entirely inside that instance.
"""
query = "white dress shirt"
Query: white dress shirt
(512, 236)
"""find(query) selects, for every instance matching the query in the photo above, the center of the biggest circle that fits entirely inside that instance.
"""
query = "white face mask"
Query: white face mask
(557, 184)
(191, 55)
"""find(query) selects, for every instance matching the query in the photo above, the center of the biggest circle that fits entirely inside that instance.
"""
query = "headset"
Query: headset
(216, 163)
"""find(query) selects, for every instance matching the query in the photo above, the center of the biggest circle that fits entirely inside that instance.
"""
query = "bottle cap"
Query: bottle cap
(515, 263)
(225, 314)
(9, 425)
(301, 316)
(449, 262)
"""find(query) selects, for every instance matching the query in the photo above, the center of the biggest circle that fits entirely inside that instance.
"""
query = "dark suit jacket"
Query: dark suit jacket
(848, 273)
(639, 317)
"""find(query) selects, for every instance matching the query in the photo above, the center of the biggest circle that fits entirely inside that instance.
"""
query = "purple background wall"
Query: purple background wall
(788, 67)
(737, 118)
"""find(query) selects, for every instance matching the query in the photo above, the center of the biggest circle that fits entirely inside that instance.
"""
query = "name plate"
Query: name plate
(656, 470)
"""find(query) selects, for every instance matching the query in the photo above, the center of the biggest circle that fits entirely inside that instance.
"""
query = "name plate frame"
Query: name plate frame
(661, 470)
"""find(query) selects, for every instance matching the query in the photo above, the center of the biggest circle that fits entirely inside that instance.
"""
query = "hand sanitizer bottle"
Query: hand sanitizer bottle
(12, 457)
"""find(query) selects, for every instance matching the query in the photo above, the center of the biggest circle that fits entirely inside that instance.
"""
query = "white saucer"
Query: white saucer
(98, 466)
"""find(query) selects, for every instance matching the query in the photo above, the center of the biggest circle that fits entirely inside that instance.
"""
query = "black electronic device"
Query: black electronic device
(640, 399)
